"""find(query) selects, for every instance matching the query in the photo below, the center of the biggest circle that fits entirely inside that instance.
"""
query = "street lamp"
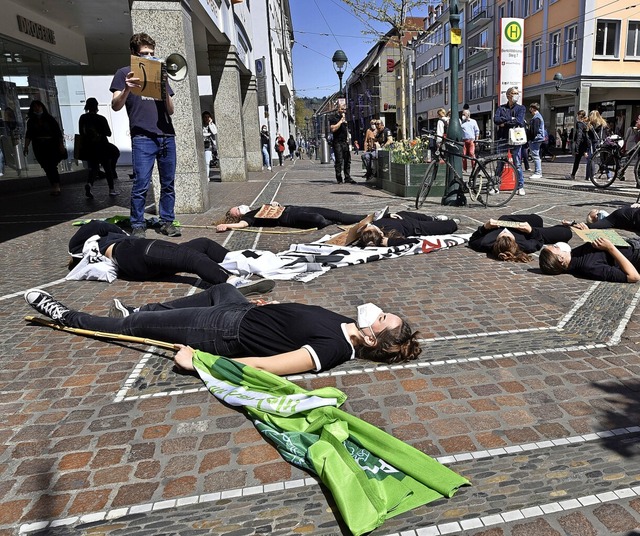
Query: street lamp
(559, 79)
(339, 61)
(452, 194)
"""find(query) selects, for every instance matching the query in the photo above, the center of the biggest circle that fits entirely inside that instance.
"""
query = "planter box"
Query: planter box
(405, 179)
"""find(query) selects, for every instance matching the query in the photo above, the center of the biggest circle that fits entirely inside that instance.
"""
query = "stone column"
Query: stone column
(169, 23)
(251, 125)
(225, 68)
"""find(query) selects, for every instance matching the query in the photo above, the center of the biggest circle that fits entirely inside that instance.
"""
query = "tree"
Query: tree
(395, 14)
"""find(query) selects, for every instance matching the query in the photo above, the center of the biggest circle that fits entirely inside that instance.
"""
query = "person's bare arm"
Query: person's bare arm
(294, 362)
(120, 97)
(222, 227)
(335, 127)
(625, 265)
(168, 102)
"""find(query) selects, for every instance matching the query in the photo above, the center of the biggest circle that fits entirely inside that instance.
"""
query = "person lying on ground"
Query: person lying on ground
(515, 244)
(627, 218)
(142, 259)
(395, 229)
(243, 216)
(282, 338)
(599, 260)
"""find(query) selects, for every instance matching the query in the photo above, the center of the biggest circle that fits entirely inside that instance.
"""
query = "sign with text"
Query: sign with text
(511, 55)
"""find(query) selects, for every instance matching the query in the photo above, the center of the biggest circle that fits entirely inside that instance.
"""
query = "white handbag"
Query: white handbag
(517, 136)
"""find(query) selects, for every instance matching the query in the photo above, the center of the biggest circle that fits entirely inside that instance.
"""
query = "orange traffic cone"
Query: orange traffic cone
(508, 177)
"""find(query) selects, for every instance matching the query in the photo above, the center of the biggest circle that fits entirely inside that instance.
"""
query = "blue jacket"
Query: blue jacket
(506, 118)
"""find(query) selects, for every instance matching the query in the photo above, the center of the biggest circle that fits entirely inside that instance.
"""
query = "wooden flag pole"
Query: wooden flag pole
(101, 335)
(262, 231)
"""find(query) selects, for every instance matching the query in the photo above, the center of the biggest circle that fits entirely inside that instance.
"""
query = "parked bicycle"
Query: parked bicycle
(487, 182)
(608, 163)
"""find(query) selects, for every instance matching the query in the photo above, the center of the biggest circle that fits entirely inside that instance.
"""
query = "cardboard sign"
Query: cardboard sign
(589, 235)
(510, 224)
(152, 75)
(270, 212)
(351, 234)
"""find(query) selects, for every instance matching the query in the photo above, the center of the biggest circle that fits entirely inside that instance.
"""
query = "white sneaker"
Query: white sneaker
(441, 217)
(493, 191)
(536, 176)
(269, 168)
(247, 287)
(520, 191)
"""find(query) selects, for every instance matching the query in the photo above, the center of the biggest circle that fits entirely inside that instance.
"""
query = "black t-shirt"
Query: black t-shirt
(147, 117)
(341, 134)
(591, 263)
(285, 327)
(382, 136)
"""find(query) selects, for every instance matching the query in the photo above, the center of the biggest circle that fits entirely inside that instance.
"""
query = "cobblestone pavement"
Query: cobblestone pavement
(528, 385)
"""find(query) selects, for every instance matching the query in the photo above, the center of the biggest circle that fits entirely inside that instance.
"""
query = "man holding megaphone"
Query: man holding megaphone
(152, 136)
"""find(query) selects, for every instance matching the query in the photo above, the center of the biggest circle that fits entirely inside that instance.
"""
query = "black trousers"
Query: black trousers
(307, 217)
(343, 160)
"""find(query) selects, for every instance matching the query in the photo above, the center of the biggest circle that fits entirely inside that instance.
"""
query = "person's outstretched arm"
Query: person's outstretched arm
(222, 227)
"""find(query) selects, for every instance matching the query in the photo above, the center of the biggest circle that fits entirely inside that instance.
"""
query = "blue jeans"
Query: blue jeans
(534, 147)
(209, 321)
(266, 157)
(145, 152)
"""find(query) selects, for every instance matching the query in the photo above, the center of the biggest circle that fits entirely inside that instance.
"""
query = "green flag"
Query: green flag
(371, 474)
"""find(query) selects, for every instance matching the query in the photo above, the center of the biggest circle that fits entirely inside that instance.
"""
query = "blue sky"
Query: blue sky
(321, 27)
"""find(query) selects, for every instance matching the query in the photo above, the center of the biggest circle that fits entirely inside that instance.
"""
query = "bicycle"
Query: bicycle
(485, 182)
(608, 163)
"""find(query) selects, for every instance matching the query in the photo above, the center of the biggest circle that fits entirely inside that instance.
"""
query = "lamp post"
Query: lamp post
(339, 61)
(454, 131)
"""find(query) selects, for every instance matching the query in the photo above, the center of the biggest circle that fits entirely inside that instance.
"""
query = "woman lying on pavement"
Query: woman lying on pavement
(282, 338)
(393, 230)
(599, 260)
(514, 244)
(627, 218)
(142, 259)
(292, 216)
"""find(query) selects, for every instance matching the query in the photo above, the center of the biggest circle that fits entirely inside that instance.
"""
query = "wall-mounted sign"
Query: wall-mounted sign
(36, 30)
(511, 55)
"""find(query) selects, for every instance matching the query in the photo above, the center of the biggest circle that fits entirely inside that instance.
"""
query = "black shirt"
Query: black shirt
(341, 134)
(382, 136)
(279, 328)
(591, 263)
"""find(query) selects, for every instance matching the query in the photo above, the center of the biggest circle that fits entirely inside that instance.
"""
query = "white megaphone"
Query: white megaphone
(176, 67)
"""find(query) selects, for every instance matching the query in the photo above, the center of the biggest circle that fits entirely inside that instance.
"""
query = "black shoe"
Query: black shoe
(42, 302)
(339, 181)
(119, 309)
(138, 232)
(350, 181)
(87, 191)
(170, 230)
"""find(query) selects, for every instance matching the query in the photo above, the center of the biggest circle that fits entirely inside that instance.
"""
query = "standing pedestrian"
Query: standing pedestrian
(536, 136)
(279, 147)
(48, 144)
(340, 144)
(470, 134)
(291, 144)
(597, 131)
(510, 115)
(265, 143)
(580, 144)
(94, 130)
(152, 140)
(209, 133)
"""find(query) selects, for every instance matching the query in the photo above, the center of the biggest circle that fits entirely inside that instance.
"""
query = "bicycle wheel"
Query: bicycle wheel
(490, 182)
(604, 166)
(427, 183)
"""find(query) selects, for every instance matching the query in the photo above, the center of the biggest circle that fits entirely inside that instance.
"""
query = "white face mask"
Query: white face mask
(514, 98)
(243, 209)
(563, 246)
(368, 313)
(506, 232)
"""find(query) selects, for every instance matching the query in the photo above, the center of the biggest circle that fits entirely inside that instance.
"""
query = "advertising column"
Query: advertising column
(511, 55)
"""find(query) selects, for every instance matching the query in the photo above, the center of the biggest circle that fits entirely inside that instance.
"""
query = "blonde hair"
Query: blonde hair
(596, 120)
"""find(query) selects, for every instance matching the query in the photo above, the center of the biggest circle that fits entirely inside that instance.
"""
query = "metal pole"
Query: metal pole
(452, 194)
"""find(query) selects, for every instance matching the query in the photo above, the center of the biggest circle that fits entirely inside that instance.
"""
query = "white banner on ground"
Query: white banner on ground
(511, 55)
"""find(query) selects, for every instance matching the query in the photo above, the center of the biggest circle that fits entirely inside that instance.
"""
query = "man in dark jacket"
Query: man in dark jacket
(338, 128)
